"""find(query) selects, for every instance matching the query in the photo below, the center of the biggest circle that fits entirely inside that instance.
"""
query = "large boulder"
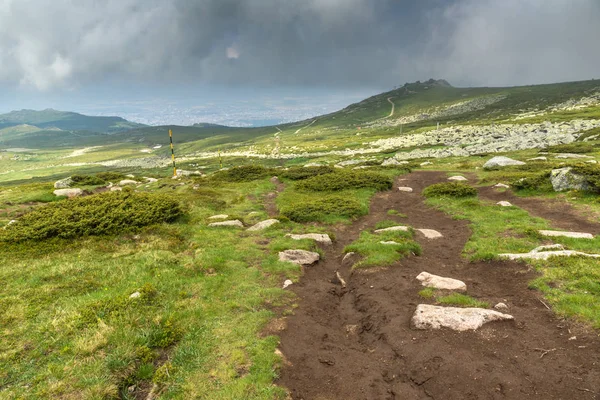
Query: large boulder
(566, 179)
(300, 257)
(74, 192)
(501, 161)
(263, 225)
(63, 183)
(458, 319)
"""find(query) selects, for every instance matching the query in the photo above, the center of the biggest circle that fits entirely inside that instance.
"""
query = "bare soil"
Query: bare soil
(357, 343)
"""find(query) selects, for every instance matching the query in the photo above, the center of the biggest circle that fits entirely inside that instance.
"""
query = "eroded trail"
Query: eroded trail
(357, 343)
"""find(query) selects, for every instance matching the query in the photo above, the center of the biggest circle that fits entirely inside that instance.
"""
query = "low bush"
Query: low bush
(111, 176)
(591, 173)
(450, 189)
(87, 180)
(341, 180)
(576, 148)
(322, 207)
(534, 182)
(101, 214)
(246, 173)
(297, 174)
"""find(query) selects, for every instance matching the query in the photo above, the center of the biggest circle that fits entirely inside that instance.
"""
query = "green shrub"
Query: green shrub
(340, 180)
(450, 189)
(166, 333)
(301, 173)
(591, 173)
(87, 180)
(110, 176)
(246, 173)
(576, 148)
(589, 133)
(101, 214)
(322, 207)
(535, 182)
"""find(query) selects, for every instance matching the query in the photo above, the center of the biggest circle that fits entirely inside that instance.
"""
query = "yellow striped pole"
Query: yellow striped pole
(220, 160)
(172, 153)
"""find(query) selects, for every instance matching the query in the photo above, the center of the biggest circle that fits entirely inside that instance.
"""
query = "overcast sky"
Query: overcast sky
(91, 55)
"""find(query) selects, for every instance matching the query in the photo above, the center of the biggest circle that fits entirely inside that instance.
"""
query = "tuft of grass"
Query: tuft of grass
(450, 189)
(396, 213)
(322, 208)
(427, 293)
(461, 300)
(538, 182)
(376, 254)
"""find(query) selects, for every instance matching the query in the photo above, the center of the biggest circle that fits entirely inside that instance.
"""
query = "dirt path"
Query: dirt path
(389, 99)
(561, 214)
(357, 343)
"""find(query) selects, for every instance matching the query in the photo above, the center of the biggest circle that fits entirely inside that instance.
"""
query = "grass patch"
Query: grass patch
(300, 173)
(323, 208)
(377, 254)
(396, 213)
(427, 293)
(450, 189)
(461, 300)
(344, 180)
(576, 148)
(246, 173)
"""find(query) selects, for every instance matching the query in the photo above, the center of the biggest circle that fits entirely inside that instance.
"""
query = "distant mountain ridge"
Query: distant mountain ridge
(67, 121)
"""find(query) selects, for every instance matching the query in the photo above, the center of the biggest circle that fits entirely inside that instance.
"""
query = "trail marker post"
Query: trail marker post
(172, 153)
(220, 160)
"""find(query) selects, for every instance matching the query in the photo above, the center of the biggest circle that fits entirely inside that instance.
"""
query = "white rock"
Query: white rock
(504, 204)
(317, 237)
(220, 216)
(128, 182)
(116, 189)
(566, 179)
(349, 162)
(542, 158)
(183, 172)
(74, 192)
(592, 161)
(393, 161)
(313, 165)
(300, 257)
(390, 242)
(459, 319)
(263, 225)
(501, 186)
(501, 307)
(236, 222)
(544, 255)
(63, 183)
(150, 180)
(393, 229)
(501, 161)
(130, 176)
(135, 295)
(426, 163)
(576, 235)
(430, 233)
(287, 283)
(405, 189)
(348, 256)
(439, 282)
(457, 178)
(569, 155)
(548, 247)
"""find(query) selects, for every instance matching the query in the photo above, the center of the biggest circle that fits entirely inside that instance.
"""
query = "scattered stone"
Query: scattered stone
(391, 242)
(459, 319)
(313, 165)
(439, 282)
(570, 155)
(566, 179)
(501, 161)
(575, 235)
(150, 180)
(63, 183)
(116, 189)
(504, 204)
(362, 167)
(135, 295)
(183, 172)
(542, 158)
(220, 216)
(130, 176)
(349, 258)
(287, 283)
(393, 228)
(393, 161)
(430, 233)
(405, 189)
(275, 180)
(592, 161)
(426, 163)
(542, 253)
(74, 192)
(263, 225)
(548, 247)
(253, 213)
(501, 307)
(317, 237)
(457, 178)
(501, 186)
(125, 182)
(300, 257)
(236, 222)
(348, 163)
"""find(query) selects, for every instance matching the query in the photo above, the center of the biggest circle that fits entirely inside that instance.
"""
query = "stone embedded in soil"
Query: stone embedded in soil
(275, 180)
(390, 242)
(300, 257)
(501, 186)
(501, 307)
(504, 204)
(430, 233)
(236, 222)
(576, 235)
(457, 178)
(125, 182)
(405, 189)
(544, 255)
(287, 283)
(263, 225)
(501, 161)
(220, 216)
(68, 192)
(548, 247)
(317, 237)
(393, 228)
(116, 189)
(542, 158)
(459, 319)
(135, 295)
(439, 282)
(426, 163)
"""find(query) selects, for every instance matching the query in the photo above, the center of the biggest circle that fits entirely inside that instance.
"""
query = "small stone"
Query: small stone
(116, 189)
(430, 233)
(457, 178)
(236, 223)
(592, 161)
(426, 163)
(130, 176)
(287, 283)
(263, 225)
(405, 189)
(459, 319)
(68, 192)
(300, 257)
(348, 257)
(150, 180)
(275, 180)
(548, 248)
(390, 242)
(135, 295)
(544, 255)
(501, 307)
(439, 282)
(393, 228)
(63, 183)
(573, 338)
(542, 158)
(504, 204)
(576, 235)
(501, 161)
(125, 182)
(220, 216)
(317, 237)
(501, 186)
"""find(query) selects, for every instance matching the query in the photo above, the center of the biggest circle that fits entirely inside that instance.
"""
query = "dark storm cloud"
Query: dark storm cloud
(46, 44)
